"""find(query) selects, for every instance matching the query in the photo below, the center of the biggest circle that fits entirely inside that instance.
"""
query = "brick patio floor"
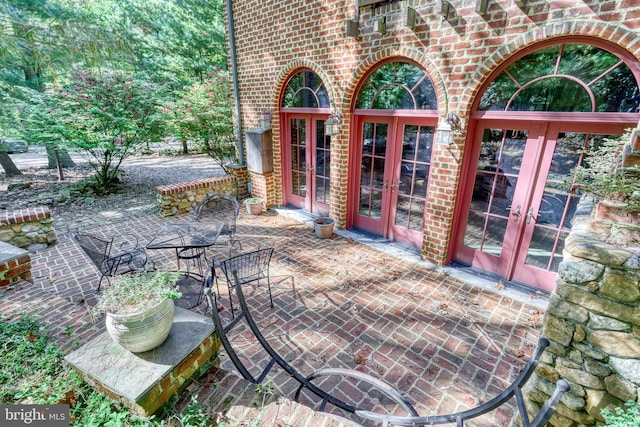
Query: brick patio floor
(447, 345)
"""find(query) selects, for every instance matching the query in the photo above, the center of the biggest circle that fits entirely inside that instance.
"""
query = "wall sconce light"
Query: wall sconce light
(481, 6)
(380, 26)
(442, 8)
(410, 18)
(332, 124)
(445, 128)
(265, 120)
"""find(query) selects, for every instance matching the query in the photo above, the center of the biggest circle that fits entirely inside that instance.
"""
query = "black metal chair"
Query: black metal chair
(376, 385)
(130, 258)
(225, 208)
(250, 267)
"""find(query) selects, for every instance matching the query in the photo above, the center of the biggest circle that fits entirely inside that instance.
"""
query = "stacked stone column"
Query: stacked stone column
(593, 323)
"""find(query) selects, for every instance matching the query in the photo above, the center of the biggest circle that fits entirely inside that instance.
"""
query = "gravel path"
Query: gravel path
(71, 211)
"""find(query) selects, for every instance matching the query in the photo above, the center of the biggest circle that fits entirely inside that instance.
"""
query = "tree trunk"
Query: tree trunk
(62, 156)
(59, 163)
(7, 164)
(185, 148)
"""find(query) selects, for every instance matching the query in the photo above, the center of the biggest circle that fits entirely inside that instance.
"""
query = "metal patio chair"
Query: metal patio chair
(225, 208)
(250, 267)
(129, 258)
(376, 386)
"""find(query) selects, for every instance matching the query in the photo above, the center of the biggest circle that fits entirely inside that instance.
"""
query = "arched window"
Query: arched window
(564, 78)
(305, 90)
(397, 86)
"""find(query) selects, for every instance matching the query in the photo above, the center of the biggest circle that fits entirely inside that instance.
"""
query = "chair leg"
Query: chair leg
(233, 315)
(270, 296)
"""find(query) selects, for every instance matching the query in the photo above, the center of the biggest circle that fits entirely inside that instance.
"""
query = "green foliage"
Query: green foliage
(136, 292)
(622, 418)
(30, 370)
(601, 173)
(108, 116)
(204, 114)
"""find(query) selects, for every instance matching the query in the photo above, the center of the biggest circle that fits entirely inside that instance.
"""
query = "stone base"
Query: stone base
(15, 264)
(145, 381)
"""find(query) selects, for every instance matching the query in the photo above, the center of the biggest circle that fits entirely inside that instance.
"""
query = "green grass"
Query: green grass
(33, 372)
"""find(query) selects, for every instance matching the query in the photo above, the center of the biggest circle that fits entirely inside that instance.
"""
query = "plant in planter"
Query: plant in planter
(323, 227)
(139, 309)
(604, 174)
(254, 205)
(610, 173)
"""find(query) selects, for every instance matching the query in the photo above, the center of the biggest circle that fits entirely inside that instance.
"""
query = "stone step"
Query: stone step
(238, 402)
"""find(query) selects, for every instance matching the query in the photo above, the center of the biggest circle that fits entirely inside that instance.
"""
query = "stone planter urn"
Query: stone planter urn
(323, 227)
(144, 331)
(253, 205)
(139, 309)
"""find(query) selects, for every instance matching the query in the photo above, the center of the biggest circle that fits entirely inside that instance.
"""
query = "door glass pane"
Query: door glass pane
(374, 143)
(558, 204)
(298, 157)
(323, 158)
(496, 179)
(414, 172)
(564, 77)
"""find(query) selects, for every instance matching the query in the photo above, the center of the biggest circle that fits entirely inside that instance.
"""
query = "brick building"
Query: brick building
(459, 122)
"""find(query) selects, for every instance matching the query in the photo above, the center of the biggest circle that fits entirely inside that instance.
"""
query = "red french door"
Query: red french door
(523, 199)
(307, 163)
(393, 160)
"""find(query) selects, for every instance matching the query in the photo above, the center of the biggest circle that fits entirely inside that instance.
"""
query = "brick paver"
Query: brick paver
(445, 344)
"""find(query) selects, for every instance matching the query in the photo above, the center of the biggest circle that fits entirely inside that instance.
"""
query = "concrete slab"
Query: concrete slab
(133, 376)
(9, 252)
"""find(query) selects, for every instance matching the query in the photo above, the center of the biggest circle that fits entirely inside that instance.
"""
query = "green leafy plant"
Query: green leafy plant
(107, 117)
(204, 115)
(602, 174)
(623, 418)
(136, 292)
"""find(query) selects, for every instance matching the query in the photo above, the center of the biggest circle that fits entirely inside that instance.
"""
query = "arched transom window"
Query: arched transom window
(305, 90)
(564, 78)
(397, 86)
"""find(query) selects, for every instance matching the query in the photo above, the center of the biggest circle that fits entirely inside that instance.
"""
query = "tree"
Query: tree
(204, 114)
(107, 116)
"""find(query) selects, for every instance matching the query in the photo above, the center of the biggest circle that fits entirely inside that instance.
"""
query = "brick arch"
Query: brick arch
(594, 30)
(286, 72)
(417, 56)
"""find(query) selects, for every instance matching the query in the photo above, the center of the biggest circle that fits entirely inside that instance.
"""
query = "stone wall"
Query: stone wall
(30, 228)
(593, 322)
(183, 197)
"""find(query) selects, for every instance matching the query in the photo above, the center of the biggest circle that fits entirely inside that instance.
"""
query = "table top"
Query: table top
(187, 235)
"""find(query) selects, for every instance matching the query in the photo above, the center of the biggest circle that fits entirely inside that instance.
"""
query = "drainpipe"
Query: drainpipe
(234, 74)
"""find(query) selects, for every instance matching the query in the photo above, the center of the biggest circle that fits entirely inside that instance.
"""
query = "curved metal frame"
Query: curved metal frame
(413, 419)
(305, 382)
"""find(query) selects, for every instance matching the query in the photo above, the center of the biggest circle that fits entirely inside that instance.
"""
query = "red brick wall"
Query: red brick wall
(274, 38)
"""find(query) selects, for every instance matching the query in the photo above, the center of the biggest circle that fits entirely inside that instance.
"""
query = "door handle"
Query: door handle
(516, 213)
(530, 216)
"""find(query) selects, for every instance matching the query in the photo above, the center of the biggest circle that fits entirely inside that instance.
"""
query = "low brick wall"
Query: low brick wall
(29, 229)
(183, 197)
(593, 322)
(15, 264)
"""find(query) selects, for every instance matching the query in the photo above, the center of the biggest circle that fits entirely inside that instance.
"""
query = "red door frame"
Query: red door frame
(545, 124)
(395, 120)
(310, 115)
